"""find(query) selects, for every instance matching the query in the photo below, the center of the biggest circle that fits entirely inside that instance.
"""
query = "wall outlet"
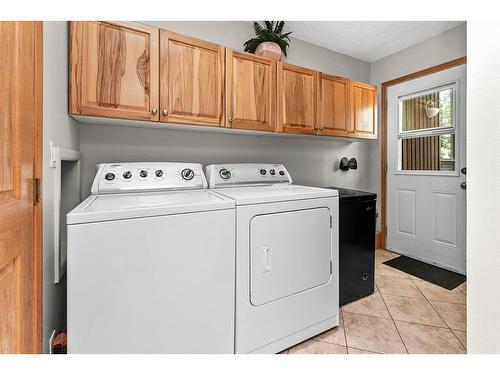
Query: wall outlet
(51, 341)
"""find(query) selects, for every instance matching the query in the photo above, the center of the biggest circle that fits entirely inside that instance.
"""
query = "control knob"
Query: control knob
(143, 173)
(263, 172)
(187, 174)
(159, 173)
(127, 175)
(225, 174)
(272, 171)
(282, 173)
(109, 176)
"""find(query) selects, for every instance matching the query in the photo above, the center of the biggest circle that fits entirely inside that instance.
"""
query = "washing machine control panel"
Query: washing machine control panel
(227, 175)
(147, 176)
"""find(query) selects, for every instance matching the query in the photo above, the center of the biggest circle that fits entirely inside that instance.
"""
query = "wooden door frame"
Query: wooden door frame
(38, 173)
(382, 234)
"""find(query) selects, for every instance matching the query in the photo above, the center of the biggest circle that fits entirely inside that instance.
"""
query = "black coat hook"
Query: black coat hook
(346, 164)
(353, 164)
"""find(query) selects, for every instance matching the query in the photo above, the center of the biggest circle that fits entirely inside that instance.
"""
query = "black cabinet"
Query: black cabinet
(357, 221)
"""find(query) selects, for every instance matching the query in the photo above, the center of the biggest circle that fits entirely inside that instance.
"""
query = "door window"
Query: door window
(427, 127)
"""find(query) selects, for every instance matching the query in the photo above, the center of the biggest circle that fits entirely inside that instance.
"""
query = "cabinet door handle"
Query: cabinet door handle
(154, 111)
(165, 112)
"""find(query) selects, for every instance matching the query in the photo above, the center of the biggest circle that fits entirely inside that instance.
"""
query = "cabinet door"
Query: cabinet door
(297, 90)
(250, 91)
(363, 110)
(114, 70)
(192, 77)
(333, 106)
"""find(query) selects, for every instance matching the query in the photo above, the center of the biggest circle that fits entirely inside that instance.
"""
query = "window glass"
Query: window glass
(429, 111)
(431, 153)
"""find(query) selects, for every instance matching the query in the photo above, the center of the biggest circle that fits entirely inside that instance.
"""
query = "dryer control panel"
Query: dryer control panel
(147, 176)
(242, 174)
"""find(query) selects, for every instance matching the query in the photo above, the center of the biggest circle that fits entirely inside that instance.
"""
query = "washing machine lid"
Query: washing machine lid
(274, 193)
(106, 207)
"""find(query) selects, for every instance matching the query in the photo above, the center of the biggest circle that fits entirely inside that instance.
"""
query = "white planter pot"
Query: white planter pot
(269, 50)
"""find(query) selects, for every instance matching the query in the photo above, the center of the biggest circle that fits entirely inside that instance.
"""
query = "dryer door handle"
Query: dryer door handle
(267, 259)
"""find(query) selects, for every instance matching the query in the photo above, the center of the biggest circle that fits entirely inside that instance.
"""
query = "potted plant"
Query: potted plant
(270, 41)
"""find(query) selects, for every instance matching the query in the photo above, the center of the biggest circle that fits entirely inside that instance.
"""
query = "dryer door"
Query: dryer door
(289, 252)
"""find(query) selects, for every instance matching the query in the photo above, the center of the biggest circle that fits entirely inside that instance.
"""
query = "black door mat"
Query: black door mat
(435, 275)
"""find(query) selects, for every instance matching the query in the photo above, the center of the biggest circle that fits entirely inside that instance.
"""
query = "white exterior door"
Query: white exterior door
(426, 201)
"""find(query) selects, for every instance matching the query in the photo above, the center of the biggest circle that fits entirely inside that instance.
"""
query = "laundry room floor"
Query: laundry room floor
(404, 315)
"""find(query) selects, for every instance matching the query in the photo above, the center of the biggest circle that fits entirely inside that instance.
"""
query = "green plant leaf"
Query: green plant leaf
(285, 36)
(257, 28)
(279, 27)
(272, 32)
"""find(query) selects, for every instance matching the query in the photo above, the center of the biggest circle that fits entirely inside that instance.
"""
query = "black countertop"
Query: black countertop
(352, 195)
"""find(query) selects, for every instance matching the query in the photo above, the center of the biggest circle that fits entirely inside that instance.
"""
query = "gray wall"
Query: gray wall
(63, 131)
(445, 47)
(310, 161)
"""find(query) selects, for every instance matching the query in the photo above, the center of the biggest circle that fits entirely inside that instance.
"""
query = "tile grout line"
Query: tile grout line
(394, 322)
(371, 316)
(343, 328)
(452, 303)
(323, 341)
(430, 303)
(370, 351)
(436, 300)
(400, 320)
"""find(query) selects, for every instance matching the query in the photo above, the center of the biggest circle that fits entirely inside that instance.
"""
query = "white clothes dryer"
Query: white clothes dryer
(286, 256)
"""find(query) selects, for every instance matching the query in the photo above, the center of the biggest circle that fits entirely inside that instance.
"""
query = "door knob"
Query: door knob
(165, 112)
(463, 185)
(463, 170)
(154, 111)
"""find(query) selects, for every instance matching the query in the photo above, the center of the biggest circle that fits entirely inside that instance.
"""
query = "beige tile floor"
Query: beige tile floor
(404, 315)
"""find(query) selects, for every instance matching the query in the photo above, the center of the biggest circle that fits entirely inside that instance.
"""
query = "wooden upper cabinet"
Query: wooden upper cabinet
(250, 91)
(192, 77)
(363, 110)
(333, 106)
(297, 91)
(114, 70)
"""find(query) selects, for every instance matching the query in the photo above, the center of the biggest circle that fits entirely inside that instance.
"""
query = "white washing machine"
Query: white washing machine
(150, 265)
(286, 256)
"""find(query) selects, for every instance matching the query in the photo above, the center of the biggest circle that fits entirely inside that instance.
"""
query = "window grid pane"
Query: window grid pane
(432, 153)
(434, 110)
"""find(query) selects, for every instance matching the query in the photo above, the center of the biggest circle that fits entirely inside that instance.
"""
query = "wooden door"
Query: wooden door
(114, 70)
(20, 119)
(363, 110)
(333, 106)
(192, 80)
(297, 91)
(250, 91)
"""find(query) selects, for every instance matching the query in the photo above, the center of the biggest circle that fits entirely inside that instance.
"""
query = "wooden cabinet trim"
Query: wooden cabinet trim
(165, 81)
(247, 124)
(282, 127)
(151, 69)
(324, 131)
(355, 133)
